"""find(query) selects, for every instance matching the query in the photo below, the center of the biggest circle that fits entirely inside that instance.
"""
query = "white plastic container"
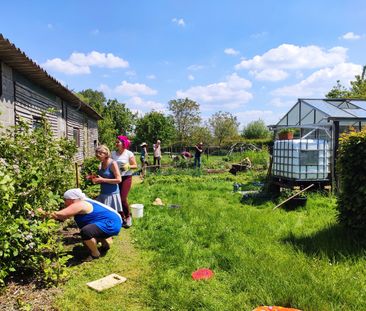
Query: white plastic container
(301, 159)
(137, 210)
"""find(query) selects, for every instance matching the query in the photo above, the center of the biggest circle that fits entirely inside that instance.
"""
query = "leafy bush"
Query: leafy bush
(256, 129)
(351, 168)
(35, 170)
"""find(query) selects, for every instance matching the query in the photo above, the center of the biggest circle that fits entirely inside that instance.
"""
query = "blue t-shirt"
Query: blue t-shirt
(106, 188)
(106, 218)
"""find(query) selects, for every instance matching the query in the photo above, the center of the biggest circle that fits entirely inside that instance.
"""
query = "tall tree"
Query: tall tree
(338, 91)
(224, 126)
(186, 115)
(201, 134)
(153, 126)
(94, 98)
(357, 89)
(123, 118)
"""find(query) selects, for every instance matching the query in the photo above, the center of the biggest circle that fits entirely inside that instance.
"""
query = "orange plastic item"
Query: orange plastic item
(274, 308)
(202, 274)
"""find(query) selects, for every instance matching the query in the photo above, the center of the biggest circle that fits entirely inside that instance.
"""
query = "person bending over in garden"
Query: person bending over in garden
(108, 177)
(97, 222)
(126, 161)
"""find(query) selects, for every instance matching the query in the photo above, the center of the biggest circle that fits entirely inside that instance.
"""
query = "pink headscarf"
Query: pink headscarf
(126, 142)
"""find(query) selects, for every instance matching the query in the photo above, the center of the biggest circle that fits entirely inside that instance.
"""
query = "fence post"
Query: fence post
(77, 175)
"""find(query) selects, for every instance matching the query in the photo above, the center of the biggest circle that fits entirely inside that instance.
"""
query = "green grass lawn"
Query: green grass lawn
(260, 256)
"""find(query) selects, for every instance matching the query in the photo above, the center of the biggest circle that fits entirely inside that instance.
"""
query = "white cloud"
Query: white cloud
(147, 105)
(95, 32)
(66, 67)
(350, 36)
(288, 56)
(259, 35)
(230, 93)
(151, 77)
(107, 60)
(133, 89)
(191, 77)
(49, 26)
(231, 51)
(321, 81)
(130, 73)
(195, 67)
(268, 116)
(80, 63)
(179, 21)
(127, 89)
(270, 74)
(280, 103)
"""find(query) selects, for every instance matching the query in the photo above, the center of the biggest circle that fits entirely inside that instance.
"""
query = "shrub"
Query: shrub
(256, 129)
(351, 169)
(35, 170)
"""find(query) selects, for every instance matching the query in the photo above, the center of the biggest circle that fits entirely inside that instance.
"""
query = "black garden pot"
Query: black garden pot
(295, 203)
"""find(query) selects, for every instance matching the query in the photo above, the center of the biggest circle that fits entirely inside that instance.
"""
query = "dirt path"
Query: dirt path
(18, 296)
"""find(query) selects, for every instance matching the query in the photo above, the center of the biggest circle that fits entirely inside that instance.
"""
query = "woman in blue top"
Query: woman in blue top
(97, 222)
(109, 177)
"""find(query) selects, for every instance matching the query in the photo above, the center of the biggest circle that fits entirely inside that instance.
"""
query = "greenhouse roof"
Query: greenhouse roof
(310, 111)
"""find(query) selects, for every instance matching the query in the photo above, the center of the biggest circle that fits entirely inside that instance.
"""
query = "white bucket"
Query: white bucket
(137, 210)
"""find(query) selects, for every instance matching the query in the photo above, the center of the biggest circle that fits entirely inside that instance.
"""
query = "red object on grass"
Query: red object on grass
(202, 274)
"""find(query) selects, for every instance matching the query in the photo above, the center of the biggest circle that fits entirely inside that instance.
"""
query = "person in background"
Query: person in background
(186, 154)
(143, 158)
(126, 161)
(97, 222)
(197, 155)
(108, 177)
(157, 153)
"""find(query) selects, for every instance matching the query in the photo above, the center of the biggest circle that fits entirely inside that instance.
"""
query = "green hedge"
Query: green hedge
(351, 169)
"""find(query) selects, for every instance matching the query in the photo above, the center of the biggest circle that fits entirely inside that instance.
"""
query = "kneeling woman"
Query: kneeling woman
(97, 221)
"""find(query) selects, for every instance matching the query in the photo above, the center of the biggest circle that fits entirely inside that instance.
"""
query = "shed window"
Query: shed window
(76, 136)
(36, 122)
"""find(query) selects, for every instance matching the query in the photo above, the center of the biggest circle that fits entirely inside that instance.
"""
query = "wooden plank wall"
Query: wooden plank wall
(75, 120)
(29, 103)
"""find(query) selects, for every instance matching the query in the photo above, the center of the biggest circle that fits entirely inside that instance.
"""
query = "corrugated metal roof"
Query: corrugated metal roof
(17, 59)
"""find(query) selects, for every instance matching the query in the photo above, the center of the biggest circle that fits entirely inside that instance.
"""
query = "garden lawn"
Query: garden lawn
(260, 256)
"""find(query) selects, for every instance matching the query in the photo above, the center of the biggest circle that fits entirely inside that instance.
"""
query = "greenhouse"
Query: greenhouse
(309, 154)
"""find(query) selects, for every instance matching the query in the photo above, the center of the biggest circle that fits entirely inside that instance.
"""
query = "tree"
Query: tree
(256, 130)
(357, 90)
(201, 134)
(153, 126)
(224, 126)
(186, 115)
(338, 91)
(94, 98)
(117, 119)
(122, 117)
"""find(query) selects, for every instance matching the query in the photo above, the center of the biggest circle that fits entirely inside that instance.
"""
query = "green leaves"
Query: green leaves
(35, 170)
(351, 168)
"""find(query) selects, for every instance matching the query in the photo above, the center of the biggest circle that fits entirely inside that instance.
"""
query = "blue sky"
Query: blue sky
(250, 58)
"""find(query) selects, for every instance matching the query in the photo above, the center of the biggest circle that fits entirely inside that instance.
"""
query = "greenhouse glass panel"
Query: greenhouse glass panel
(293, 116)
(328, 109)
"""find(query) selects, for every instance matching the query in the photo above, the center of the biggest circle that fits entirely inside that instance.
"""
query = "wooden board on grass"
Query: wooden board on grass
(106, 282)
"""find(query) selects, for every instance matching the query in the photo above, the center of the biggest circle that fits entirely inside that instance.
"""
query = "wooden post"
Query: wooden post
(77, 175)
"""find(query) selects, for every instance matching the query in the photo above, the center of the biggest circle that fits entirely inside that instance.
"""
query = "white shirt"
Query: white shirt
(122, 159)
(157, 151)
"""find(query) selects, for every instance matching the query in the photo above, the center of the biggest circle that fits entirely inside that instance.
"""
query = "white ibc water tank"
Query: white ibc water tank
(301, 159)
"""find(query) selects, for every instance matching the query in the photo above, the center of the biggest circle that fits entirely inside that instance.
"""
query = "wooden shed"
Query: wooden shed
(27, 91)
